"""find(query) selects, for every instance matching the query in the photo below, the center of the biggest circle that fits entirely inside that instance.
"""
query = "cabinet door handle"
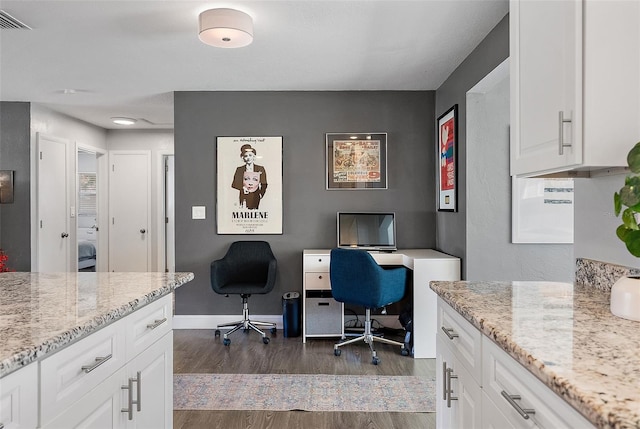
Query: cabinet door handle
(511, 399)
(450, 333)
(138, 400)
(129, 410)
(561, 143)
(449, 389)
(99, 361)
(156, 323)
(444, 381)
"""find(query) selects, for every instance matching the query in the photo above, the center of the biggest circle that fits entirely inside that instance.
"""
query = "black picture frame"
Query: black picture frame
(356, 161)
(447, 160)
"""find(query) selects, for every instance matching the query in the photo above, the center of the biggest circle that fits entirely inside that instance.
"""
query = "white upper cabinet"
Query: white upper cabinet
(575, 84)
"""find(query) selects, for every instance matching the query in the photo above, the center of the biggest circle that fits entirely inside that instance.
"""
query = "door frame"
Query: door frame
(161, 198)
(102, 169)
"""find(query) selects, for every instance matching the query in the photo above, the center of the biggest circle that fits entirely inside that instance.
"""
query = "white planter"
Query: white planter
(625, 298)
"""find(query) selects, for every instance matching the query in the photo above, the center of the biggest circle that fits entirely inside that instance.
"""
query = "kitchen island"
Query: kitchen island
(564, 335)
(74, 339)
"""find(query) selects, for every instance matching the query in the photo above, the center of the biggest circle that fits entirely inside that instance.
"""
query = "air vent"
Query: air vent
(8, 22)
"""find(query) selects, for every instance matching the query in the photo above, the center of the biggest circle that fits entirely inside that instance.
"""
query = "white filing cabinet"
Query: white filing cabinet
(322, 316)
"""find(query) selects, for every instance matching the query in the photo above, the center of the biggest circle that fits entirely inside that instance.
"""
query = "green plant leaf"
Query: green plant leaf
(617, 204)
(633, 158)
(622, 232)
(630, 195)
(629, 219)
(632, 240)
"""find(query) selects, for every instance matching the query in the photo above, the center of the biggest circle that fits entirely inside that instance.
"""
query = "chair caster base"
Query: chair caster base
(265, 340)
(226, 341)
(337, 352)
(273, 331)
(217, 333)
(404, 352)
(375, 360)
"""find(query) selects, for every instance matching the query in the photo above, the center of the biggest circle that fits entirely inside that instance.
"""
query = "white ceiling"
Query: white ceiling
(125, 58)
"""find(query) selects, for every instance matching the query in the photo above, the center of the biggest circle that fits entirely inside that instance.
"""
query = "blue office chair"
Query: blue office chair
(357, 279)
(248, 267)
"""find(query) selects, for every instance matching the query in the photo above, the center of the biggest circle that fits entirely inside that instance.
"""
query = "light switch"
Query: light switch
(198, 212)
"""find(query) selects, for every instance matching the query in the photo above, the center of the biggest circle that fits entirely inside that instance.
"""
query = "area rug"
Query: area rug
(303, 392)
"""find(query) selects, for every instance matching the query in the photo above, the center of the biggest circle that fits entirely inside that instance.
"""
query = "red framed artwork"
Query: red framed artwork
(447, 160)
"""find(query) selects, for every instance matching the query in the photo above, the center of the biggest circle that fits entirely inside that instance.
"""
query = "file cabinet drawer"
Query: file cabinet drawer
(317, 281)
(69, 374)
(316, 263)
(147, 325)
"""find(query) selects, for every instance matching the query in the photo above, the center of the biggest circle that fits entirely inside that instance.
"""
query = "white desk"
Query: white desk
(426, 265)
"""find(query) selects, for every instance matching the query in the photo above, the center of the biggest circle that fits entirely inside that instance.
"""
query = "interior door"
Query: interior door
(130, 211)
(52, 204)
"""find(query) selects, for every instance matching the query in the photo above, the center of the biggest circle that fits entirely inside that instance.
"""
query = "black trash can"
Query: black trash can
(291, 314)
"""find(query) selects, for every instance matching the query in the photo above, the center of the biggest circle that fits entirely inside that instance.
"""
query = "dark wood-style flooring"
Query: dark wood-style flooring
(198, 351)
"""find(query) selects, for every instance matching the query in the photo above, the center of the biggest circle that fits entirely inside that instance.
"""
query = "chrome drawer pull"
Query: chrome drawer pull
(511, 399)
(157, 323)
(130, 401)
(138, 400)
(449, 389)
(99, 361)
(450, 333)
(129, 410)
(444, 381)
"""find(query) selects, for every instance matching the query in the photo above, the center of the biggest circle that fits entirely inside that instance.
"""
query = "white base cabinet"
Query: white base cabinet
(18, 394)
(137, 396)
(479, 385)
(121, 376)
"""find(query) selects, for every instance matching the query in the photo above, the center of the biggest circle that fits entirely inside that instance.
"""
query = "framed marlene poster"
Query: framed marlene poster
(356, 160)
(249, 185)
(447, 164)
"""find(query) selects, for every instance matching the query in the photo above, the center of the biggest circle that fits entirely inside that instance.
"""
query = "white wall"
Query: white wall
(490, 253)
(160, 143)
(596, 223)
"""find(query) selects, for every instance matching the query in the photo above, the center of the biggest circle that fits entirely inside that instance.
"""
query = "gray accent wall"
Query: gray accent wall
(15, 227)
(493, 50)
(309, 210)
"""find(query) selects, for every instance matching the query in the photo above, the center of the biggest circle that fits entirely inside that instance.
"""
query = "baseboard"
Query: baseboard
(211, 321)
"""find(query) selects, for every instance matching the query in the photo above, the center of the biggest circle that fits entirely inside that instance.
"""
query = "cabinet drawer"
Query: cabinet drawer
(19, 397)
(147, 325)
(464, 339)
(501, 373)
(319, 263)
(72, 372)
(317, 281)
(324, 316)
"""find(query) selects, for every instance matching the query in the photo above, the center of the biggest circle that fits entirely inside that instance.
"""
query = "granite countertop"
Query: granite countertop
(566, 336)
(42, 312)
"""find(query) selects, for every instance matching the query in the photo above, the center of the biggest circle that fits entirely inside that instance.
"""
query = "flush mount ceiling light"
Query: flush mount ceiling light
(226, 28)
(123, 121)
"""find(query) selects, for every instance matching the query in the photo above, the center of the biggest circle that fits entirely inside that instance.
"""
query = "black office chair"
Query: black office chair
(357, 279)
(249, 267)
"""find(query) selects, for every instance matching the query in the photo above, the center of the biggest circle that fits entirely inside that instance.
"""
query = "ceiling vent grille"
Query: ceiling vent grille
(8, 22)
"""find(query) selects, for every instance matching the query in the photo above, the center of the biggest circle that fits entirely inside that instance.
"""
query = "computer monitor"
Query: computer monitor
(367, 230)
